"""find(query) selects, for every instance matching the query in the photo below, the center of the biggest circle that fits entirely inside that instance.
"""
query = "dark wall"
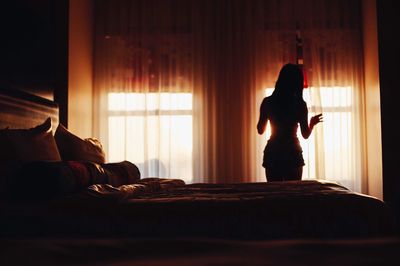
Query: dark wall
(389, 60)
(34, 47)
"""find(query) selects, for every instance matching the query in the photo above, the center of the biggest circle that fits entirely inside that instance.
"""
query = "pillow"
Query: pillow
(41, 180)
(121, 173)
(35, 144)
(73, 148)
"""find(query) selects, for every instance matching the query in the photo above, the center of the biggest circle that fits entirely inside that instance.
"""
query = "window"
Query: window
(154, 131)
(334, 152)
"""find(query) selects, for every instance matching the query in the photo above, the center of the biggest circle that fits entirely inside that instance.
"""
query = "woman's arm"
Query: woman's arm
(262, 121)
(305, 128)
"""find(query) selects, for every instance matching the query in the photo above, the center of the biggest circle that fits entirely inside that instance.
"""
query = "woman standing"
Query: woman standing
(285, 109)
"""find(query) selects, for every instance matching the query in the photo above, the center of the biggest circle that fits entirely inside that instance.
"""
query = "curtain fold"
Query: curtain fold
(223, 86)
(178, 84)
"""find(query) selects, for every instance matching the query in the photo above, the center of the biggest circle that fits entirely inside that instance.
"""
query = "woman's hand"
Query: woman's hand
(315, 120)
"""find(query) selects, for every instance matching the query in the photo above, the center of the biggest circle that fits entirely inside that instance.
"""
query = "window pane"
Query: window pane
(337, 136)
(160, 145)
(116, 138)
(152, 102)
(181, 143)
(335, 96)
(116, 101)
(135, 134)
(135, 101)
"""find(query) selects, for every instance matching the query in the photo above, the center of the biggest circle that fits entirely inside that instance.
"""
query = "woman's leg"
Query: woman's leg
(294, 174)
(273, 174)
(279, 174)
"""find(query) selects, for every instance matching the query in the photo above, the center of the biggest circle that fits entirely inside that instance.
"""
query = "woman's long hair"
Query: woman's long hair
(289, 85)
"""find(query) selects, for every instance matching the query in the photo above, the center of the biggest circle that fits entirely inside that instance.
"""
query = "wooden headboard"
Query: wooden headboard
(19, 109)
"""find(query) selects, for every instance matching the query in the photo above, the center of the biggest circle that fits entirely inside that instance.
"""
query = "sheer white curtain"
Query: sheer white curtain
(178, 84)
(201, 52)
(143, 88)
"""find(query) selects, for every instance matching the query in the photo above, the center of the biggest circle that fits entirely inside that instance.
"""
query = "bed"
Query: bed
(54, 209)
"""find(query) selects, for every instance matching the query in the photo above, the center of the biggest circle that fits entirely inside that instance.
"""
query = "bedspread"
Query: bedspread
(155, 207)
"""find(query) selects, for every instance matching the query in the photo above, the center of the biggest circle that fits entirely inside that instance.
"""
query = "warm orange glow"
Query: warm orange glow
(305, 81)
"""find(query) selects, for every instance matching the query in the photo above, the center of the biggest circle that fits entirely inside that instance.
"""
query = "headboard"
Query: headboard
(19, 109)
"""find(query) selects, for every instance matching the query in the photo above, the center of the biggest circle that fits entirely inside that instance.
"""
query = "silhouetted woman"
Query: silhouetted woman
(285, 109)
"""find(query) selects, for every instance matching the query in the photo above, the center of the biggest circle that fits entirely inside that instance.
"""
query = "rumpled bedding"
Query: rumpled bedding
(296, 209)
(158, 207)
(163, 189)
(146, 186)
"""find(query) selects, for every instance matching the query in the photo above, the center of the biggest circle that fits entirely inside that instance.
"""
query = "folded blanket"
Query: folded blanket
(141, 187)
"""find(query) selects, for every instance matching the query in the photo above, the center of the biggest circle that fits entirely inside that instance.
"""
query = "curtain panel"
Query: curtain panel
(178, 84)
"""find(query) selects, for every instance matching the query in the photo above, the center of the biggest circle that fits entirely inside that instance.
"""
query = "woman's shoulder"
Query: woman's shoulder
(266, 100)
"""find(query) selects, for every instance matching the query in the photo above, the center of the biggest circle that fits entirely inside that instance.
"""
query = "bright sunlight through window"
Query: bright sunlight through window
(152, 130)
